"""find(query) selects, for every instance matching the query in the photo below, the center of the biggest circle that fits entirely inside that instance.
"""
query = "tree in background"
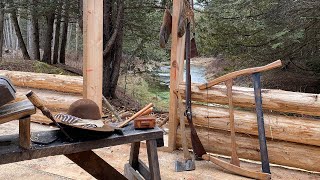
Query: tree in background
(1, 27)
(262, 31)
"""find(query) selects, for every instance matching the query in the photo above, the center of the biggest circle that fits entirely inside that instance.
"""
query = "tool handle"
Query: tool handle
(147, 112)
(35, 100)
(242, 72)
(135, 115)
(186, 153)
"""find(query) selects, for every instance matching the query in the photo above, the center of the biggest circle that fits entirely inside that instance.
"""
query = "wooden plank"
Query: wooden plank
(134, 155)
(24, 132)
(94, 165)
(176, 72)
(12, 153)
(92, 52)
(131, 174)
(55, 82)
(153, 159)
(236, 169)
(276, 100)
(280, 152)
(15, 111)
(242, 72)
(234, 157)
(286, 128)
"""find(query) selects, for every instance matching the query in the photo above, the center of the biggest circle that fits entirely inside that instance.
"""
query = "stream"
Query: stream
(197, 74)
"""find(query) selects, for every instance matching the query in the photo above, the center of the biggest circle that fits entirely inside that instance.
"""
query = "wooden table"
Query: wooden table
(80, 151)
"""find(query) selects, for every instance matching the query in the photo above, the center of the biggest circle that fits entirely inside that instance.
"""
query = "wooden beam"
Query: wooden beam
(176, 72)
(92, 51)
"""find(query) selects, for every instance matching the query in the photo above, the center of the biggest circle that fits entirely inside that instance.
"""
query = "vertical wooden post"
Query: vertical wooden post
(92, 50)
(176, 72)
(24, 132)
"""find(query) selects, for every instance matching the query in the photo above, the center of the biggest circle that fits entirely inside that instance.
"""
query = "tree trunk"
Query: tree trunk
(35, 43)
(47, 52)
(1, 28)
(19, 35)
(64, 34)
(112, 47)
(57, 36)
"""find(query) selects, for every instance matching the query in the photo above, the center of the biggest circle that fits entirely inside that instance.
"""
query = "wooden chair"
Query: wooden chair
(19, 111)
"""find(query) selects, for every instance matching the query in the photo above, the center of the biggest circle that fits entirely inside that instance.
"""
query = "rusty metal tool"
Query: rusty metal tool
(36, 101)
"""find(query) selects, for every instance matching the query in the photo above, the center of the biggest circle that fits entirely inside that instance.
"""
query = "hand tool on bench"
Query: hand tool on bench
(188, 164)
(234, 156)
(135, 115)
(35, 100)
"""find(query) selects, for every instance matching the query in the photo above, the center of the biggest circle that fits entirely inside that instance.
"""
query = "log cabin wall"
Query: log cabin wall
(291, 120)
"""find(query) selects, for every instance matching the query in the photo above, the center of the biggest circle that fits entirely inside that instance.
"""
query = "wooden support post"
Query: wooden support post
(92, 50)
(153, 159)
(176, 73)
(24, 132)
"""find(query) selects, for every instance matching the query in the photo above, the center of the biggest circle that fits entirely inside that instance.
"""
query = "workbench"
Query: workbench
(80, 151)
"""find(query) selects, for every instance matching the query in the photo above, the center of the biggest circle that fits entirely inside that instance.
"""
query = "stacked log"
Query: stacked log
(57, 92)
(292, 140)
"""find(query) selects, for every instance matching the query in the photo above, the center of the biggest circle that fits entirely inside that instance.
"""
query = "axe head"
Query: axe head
(194, 50)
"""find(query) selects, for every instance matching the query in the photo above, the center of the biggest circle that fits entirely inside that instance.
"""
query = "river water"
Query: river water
(197, 74)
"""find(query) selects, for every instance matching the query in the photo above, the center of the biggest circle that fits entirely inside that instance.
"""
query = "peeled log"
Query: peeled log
(293, 129)
(61, 83)
(54, 101)
(277, 100)
(280, 152)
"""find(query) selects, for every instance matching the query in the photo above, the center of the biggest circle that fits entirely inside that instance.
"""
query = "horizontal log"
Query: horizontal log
(54, 101)
(286, 128)
(61, 83)
(276, 100)
(280, 152)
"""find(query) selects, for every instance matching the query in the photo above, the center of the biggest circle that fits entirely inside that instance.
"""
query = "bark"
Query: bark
(1, 28)
(61, 83)
(276, 100)
(57, 36)
(22, 44)
(113, 40)
(80, 19)
(47, 51)
(64, 35)
(35, 42)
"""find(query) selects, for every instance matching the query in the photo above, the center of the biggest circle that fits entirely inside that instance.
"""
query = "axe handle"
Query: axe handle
(135, 115)
(234, 156)
(186, 153)
(36, 101)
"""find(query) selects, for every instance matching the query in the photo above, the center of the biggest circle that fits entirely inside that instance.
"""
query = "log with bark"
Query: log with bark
(293, 129)
(276, 100)
(280, 152)
(61, 83)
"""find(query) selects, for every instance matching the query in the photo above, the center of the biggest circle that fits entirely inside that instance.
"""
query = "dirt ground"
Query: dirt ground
(59, 167)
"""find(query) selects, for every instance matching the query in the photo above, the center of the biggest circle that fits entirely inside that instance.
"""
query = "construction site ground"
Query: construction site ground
(60, 167)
